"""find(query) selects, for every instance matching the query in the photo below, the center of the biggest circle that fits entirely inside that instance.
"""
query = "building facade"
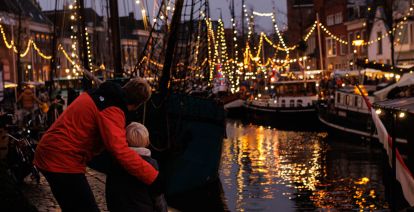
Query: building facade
(32, 43)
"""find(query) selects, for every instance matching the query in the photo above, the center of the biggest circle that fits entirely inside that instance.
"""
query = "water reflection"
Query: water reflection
(264, 169)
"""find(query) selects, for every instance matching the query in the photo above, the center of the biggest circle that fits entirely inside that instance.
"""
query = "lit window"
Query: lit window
(331, 47)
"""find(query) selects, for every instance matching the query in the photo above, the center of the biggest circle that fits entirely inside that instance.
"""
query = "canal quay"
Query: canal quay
(206, 105)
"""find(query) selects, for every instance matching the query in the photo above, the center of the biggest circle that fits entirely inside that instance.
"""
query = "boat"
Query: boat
(345, 112)
(290, 102)
(404, 109)
(186, 128)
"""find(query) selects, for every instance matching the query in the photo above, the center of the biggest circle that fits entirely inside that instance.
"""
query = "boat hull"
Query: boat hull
(187, 133)
(304, 118)
(341, 122)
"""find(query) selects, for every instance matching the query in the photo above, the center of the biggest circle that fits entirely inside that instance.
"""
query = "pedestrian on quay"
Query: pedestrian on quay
(56, 108)
(95, 121)
(44, 95)
(123, 191)
(28, 100)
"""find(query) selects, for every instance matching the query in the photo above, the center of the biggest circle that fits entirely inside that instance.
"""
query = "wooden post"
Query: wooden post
(319, 42)
(53, 60)
(172, 40)
(116, 40)
(394, 162)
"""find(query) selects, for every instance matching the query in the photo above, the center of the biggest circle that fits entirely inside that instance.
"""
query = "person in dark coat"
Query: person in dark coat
(124, 192)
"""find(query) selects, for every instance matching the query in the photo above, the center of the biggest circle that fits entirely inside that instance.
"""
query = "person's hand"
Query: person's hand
(158, 186)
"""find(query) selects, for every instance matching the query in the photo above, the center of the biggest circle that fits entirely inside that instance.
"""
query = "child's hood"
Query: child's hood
(142, 151)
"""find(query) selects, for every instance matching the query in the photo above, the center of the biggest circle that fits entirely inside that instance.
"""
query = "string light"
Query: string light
(262, 14)
(234, 63)
(47, 57)
(367, 43)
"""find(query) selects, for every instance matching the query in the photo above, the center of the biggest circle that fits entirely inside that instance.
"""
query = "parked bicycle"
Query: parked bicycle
(21, 149)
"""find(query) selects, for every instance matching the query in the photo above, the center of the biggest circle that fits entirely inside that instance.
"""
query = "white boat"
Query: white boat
(346, 112)
(289, 104)
(286, 97)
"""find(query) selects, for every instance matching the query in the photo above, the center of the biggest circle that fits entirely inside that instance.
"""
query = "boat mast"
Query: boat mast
(243, 8)
(83, 51)
(319, 42)
(190, 32)
(53, 59)
(20, 74)
(116, 40)
(172, 40)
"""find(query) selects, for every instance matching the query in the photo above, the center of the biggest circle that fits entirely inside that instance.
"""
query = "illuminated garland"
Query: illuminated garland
(144, 14)
(221, 41)
(399, 24)
(47, 57)
(262, 14)
(210, 39)
(88, 46)
(73, 17)
(235, 83)
(10, 45)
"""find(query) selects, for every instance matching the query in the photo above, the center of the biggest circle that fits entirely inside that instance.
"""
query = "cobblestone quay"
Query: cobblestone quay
(41, 196)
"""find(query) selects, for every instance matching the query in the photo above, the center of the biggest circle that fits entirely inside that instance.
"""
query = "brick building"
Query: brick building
(33, 26)
(348, 21)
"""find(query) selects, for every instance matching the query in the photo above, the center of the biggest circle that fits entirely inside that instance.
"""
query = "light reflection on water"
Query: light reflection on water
(265, 169)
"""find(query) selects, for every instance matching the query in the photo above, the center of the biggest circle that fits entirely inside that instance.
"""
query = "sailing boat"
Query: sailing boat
(186, 131)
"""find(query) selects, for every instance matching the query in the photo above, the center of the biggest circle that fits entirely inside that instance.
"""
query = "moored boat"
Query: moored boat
(287, 102)
(345, 113)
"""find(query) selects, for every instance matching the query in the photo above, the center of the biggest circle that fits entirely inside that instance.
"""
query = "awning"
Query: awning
(403, 104)
(9, 85)
(406, 80)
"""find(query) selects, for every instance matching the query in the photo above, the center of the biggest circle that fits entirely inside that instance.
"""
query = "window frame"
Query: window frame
(330, 20)
(338, 19)
(379, 43)
(331, 44)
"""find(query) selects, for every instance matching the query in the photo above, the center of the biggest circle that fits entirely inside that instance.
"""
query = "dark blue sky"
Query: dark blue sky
(263, 6)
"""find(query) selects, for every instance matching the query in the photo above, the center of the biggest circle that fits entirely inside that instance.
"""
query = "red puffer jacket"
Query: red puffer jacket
(94, 121)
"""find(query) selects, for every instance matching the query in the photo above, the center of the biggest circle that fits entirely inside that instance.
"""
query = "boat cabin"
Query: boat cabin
(288, 94)
(349, 98)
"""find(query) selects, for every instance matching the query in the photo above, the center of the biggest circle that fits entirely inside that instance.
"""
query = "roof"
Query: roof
(128, 24)
(28, 8)
(298, 3)
(383, 67)
(406, 80)
(295, 81)
(90, 16)
(403, 104)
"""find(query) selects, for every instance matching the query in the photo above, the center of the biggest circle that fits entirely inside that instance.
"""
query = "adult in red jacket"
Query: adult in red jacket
(93, 122)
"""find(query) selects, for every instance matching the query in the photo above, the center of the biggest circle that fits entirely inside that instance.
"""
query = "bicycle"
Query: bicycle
(21, 149)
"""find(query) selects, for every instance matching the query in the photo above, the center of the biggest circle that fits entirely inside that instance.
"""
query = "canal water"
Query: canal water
(266, 169)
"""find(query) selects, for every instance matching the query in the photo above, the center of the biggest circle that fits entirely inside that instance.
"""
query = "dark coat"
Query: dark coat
(125, 192)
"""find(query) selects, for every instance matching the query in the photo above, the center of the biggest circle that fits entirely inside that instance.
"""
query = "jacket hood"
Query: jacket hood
(142, 151)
